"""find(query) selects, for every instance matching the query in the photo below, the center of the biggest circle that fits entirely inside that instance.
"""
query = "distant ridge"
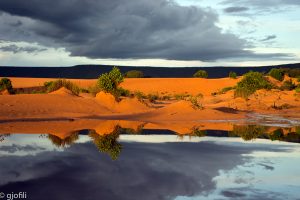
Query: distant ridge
(93, 71)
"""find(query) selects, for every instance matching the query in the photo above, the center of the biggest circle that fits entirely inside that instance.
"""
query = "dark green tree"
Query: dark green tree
(5, 84)
(200, 74)
(277, 74)
(232, 75)
(134, 74)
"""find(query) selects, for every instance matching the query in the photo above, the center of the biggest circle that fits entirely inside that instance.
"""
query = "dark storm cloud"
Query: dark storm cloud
(16, 49)
(235, 9)
(143, 171)
(269, 37)
(122, 29)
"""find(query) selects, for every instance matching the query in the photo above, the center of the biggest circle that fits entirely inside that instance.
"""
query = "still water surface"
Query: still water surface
(151, 165)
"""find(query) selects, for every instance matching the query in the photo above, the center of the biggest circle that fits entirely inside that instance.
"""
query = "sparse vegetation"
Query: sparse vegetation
(195, 102)
(5, 84)
(68, 141)
(297, 89)
(294, 73)
(55, 85)
(224, 90)
(139, 95)
(232, 75)
(134, 74)
(282, 107)
(248, 132)
(197, 132)
(288, 85)
(277, 74)
(200, 74)
(152, 97)
(94, 89)
(251, 82)
(181, 96)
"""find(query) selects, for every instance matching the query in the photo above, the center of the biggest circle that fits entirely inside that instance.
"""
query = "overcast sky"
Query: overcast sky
(149, 33)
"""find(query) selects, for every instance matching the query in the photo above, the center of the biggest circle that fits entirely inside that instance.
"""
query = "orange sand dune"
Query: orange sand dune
(18, 82)
(165, 86)
(125, 105)
(160, 86)
(62, 104)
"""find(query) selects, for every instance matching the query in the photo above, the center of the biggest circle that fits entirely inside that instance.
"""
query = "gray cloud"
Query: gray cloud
(268, 37)
(16, 49)
(235, 9)
(122, 29)
(15, 148)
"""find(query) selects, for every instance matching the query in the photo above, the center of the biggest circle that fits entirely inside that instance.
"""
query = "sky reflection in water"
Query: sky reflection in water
(151, 167)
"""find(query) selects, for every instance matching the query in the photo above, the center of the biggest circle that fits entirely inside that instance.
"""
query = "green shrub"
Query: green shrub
(134, 74)
(292, 72)
(180, 96)
(195, 103)
(55, 85)
(48, 83)
(109, 82)
(200, 74)
(68, 141)
(108, 143)
(251, 82)
(248, 132)
(197, 132)
(278, 134)
(297, 88)
(298, 79)
(124, 92)
(5, 84)
(139, 95)
(94, 89)
(288, 85)
(225, 89)
(277, 74)
(232, 75)
(152, 97)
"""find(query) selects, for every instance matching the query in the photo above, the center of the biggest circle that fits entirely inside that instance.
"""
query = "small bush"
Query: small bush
(124, 92)
(180, 96)
(297, 89)
(197, 132)
(55, 85)
(94, 89)
(288, 85)
(232, 75)
(139, 95)
(134, 74)
(84, 90)
(201, 74)
(282, 107)
(292, 72)
(5, 84)
(48, 83)
(109, 82)
(225, 89)
(195, 103)
(277, 74)
(251, 82)
(152, 97)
